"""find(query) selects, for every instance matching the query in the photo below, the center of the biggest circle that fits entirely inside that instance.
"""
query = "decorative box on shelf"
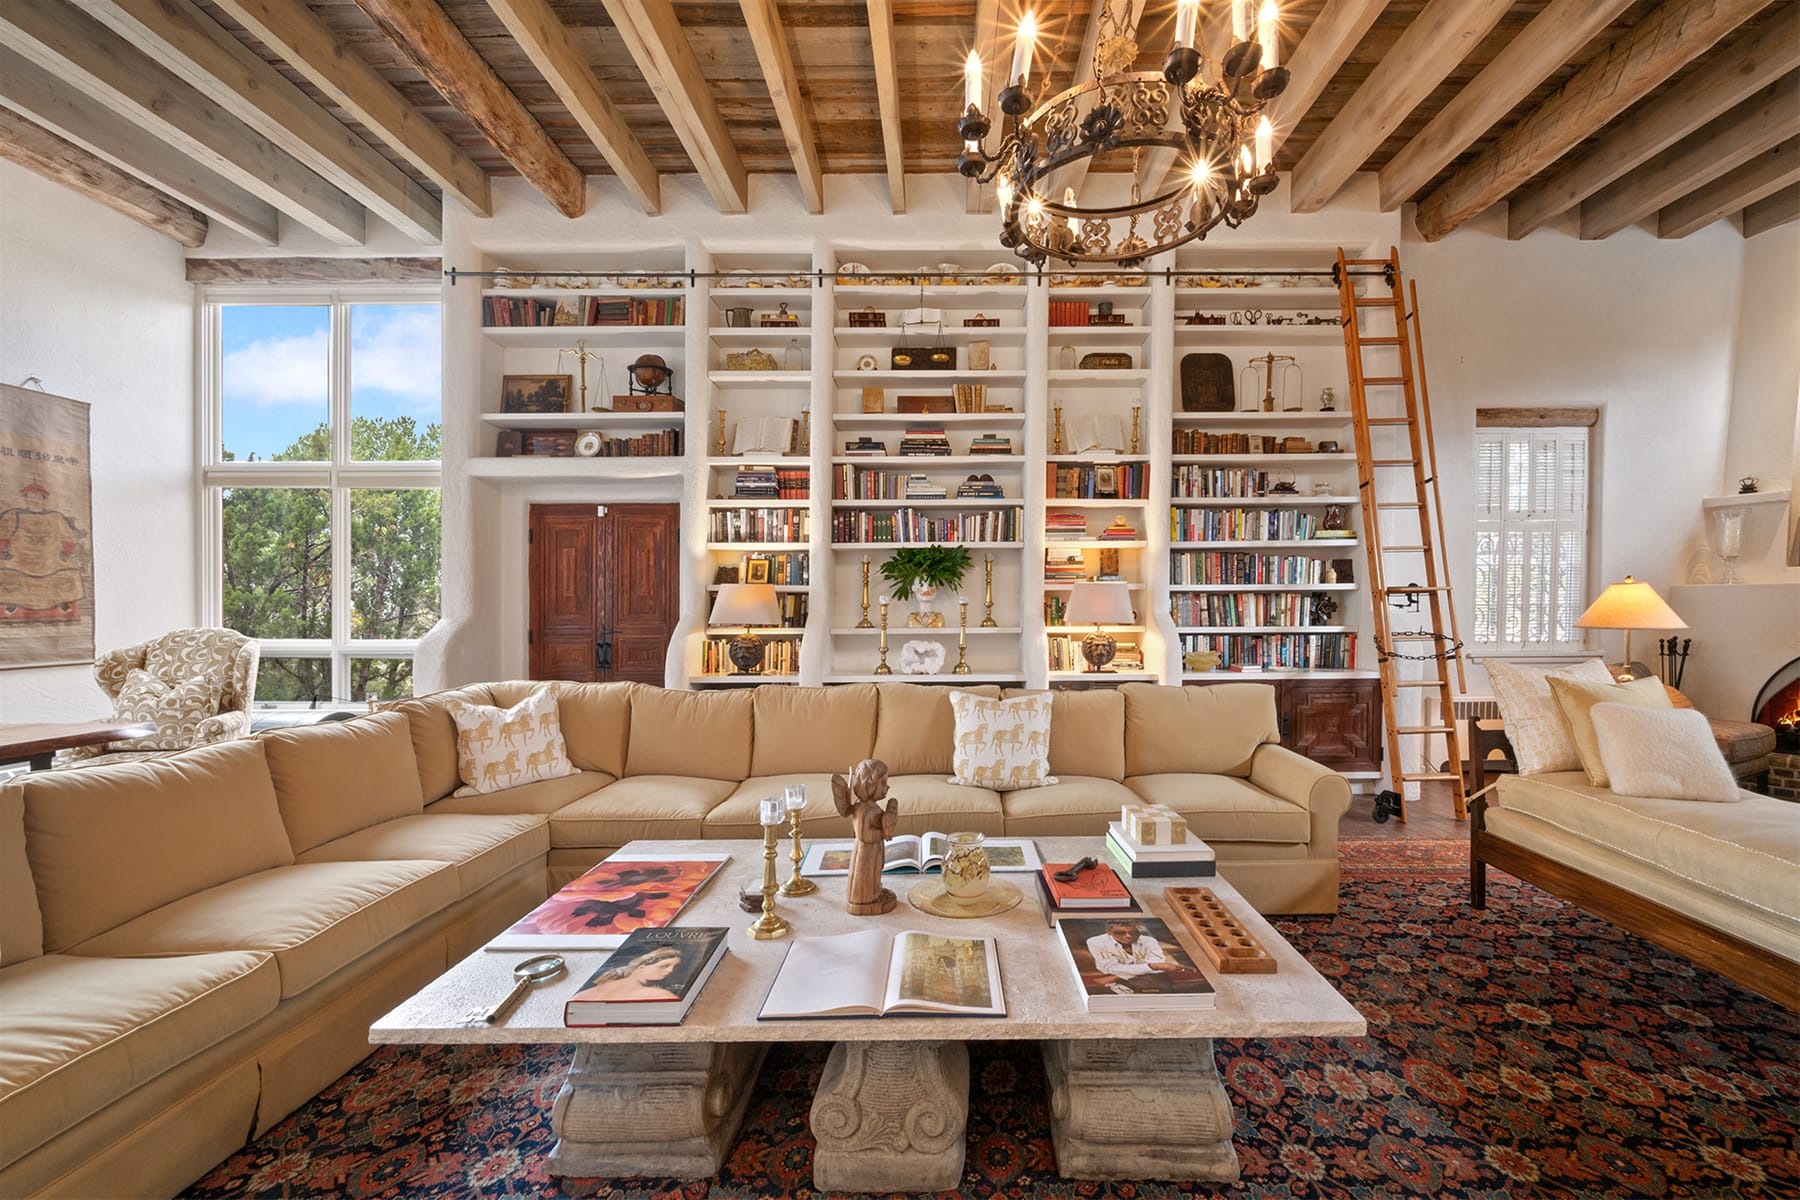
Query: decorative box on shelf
(639, 402)
(557, 443)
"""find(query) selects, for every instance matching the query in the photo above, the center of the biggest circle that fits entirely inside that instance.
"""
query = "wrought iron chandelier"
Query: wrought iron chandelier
(1209, 113)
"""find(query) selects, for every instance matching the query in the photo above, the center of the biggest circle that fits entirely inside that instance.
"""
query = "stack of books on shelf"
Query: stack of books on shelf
(760, 525)
(636, 985)
(1063, 567)
(980, 487)
(1235, 566)
(1055, 606)
(781, 656)
(865, 447)
(909, 526)
(771, 483)
(1126, 481)
(991, 443)
(499, 312)
(1194, 481)
(1068, 312)
(1241, 608)
(1065, 527)
(1120, 529)
(932, 441)
(1198, 441)
(783, 569)
(793, 609)
(970, 397)
(920, 487)
(1245, 525)
(1174, 855)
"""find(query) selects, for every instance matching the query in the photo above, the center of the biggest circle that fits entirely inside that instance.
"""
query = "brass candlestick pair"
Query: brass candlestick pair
(865, 623)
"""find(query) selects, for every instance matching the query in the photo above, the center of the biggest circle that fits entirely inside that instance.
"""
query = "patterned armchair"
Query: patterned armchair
(195, 684)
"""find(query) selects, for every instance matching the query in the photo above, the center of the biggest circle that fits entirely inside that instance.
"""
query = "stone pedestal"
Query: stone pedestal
(670, 1109)
(889, 1117)
(1139, 1110)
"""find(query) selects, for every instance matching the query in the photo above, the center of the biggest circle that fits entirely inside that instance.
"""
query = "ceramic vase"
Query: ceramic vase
(965, 866)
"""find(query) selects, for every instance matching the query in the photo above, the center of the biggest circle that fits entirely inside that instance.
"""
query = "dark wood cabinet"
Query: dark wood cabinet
(1334, 722)
(603, 586)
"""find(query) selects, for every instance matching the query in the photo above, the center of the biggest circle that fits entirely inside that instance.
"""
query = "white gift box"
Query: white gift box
(1154, 825)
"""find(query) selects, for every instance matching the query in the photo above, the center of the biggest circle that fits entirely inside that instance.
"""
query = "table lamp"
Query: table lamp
(745, 604)
(1097, 604)
(1629, 605)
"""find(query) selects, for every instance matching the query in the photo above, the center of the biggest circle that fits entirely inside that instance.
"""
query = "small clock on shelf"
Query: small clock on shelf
(588, 444)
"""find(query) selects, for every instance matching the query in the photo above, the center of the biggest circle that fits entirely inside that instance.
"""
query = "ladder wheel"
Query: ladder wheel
(1386, 805)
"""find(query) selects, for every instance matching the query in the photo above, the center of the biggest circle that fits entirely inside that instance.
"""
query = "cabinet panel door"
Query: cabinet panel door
(565, 539)
(1334, 722)
(638, 584)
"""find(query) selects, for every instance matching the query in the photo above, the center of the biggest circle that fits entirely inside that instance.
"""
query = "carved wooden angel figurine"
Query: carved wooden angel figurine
(860, 800)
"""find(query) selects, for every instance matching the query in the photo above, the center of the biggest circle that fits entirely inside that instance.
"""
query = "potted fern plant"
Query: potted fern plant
(919, 571)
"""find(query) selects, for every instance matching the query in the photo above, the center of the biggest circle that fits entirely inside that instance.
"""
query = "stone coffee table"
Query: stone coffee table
(1132, 1095)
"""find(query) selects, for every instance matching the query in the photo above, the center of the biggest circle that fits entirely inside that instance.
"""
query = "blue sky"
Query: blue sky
(276, 369)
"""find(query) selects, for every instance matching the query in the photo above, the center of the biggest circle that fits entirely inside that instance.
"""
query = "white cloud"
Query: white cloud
(397, 353)
(279, 370)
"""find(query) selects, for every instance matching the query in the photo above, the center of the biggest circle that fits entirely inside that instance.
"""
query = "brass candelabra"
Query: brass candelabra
(988, 621)
(865, 623)
(882, 668)
(770, 925)
(962, 640)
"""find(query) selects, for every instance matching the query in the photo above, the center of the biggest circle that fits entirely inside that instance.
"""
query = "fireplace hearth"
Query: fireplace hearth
(1778, 707)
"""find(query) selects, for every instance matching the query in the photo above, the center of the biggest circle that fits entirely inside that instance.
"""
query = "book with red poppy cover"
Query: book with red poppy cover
(1096, 887)
(601, 908)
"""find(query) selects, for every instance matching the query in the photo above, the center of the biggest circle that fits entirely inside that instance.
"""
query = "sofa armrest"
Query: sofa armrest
(222, 727)
(1322, 792)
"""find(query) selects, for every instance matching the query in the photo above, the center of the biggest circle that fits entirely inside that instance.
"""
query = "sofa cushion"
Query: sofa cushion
(109, 844)
(21, 922)
(342, 776)
(544, 797)
(596, 719)
(1577, 698)
(1211, 730)
(642, 806)
(1226, 809)
(1668, 754)
(498, 748)
(933, 802)
(915, 730)
(1074, 806)
(811, 731)
(1741, 741)
(434, 736)
(737, 815)
(313, 917)
(1535, 724)
(81, 1032)
(1087, 732)
(703, 735)
(481, 848)
(1002, 744)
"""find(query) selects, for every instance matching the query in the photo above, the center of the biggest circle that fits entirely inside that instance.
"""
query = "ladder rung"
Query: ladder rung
(1400, 504)
(1425, 729)
(1409, 776)
(1412, 589)
(1391, 462)
(1365, 302)
(1418, 683)
(1389, 421)
(1384, 380)
(1398, 550)
(1379, 341)
(1370, 262)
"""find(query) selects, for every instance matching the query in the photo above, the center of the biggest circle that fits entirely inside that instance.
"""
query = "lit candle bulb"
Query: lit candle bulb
(1240, 21)
(972, 82)
(1022, 47)
(1267, 25)
(1248, 163)
(1187, 18)
(1201, 175)
(1265, 144)
(1003, 192)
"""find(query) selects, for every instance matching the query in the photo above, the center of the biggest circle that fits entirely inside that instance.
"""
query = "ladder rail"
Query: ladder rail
(1437, 499)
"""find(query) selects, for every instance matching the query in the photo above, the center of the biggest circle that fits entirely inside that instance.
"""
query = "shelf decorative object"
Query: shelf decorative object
(881, 667)
(863, 622)
(582, 356)
(770, 925)
(794, 799)
(1266, 372)
(746, 604)
(1209, 113)
(962, 638)
(988, 621)
(1099, 604)
(919, 571)
(860, 798)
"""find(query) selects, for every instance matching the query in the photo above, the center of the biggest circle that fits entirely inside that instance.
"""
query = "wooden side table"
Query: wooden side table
(37, 742)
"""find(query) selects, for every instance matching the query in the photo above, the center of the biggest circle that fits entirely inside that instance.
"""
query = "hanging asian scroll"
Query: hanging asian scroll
(46, 531)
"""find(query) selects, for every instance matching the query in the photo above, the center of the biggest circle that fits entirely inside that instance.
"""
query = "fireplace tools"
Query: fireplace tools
(1671, 654)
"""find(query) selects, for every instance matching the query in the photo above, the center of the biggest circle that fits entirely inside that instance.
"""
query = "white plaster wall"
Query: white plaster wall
(96, 305)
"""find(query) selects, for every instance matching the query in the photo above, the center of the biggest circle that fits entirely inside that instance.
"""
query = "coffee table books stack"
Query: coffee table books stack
(1183, 857)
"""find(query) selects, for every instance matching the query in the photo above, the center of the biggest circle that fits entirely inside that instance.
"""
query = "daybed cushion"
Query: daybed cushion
(21, 924)
(1211, 730)
(669, 807)
(481, 848)
(81, 1032)
(1226, 809)
(339, 777)
(1577, 700)
(546, 796)
(916, 729)
(313, 917)
(737, 816)
(702, 735)
(1535, 724)
(1074, 806)
(810, 731)
(929, 802)
(110, 844)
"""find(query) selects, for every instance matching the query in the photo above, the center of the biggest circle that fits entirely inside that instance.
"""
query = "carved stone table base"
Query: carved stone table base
(670, 1110)
(1139, 1110)
(889, 1117)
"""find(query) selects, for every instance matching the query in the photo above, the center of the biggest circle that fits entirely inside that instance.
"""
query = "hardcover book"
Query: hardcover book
(921, 852)
(1096, 887)
(870, 973)
(1132, 964)
(623, 894)
(1158, 866)
(652, 979)
(1053, 914)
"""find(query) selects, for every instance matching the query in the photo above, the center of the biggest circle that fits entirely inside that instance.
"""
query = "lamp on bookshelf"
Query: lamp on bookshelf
(1097, 604)
(745, 604)
(1629, 605)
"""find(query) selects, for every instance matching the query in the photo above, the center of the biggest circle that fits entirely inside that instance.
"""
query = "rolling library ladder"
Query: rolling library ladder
(1403, 526)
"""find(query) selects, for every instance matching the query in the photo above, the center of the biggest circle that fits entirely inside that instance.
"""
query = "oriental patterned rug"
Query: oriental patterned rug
(1528, 1051)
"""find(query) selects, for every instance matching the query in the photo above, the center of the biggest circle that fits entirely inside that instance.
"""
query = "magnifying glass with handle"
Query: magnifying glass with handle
(532, 970)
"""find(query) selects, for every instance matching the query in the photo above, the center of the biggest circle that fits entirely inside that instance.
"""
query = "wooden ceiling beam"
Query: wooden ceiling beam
(1675, 33)
(1731, 75)
(220, 67)
(60, 161)
(433, 44)
(1772, 211)
(1763, 176)
(301, 269)
(1732, 140)
(1328, 42)
(763, 19)
(887, 95)
(77, 117)
(307, 44)
(108, 68)
(654, 36)
(545, 41)
(1437, 40)
(1553, 37)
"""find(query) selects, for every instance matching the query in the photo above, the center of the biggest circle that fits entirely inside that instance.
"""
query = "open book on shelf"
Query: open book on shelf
(763, 435)
(871, 973)
(921, 852)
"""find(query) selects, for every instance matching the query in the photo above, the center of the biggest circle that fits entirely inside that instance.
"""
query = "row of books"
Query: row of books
(1242, 608)
(1084, 481)
(1198, 482)
(997, 444)
(1076, 312)
(664, 443)
(793, 607)
(781, 656)
(910, 526)
(870, 483)
(925, 441)
(1277, 651)
(781, 568)
(1242, 524)
(499, 312)
(771, 483)
(1236, 566)
(759, 525)
(1198, 441)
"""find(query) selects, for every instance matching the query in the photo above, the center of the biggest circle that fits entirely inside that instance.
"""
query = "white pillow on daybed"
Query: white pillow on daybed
(1663, 753)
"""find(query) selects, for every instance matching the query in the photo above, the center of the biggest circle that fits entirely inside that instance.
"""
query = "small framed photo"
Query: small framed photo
(535, 393)
(725, 574)
(756, 570)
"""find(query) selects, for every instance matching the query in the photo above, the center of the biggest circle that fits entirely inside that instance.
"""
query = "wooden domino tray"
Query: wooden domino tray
(1228, 944)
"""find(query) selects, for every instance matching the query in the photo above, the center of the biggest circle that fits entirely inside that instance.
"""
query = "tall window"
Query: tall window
(320, 433)
(1531, 533)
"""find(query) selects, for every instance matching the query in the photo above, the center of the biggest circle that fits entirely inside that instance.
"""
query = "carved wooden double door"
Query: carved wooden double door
(604, 585)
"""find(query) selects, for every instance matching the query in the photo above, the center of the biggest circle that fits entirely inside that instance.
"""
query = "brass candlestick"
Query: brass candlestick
(962, 641)
(988, 621)
(1056, 446)
(1136, 412)
(796, 884)
(719, 441)
(882, 668)
(865, 623)
(805, 435)
(769, 926)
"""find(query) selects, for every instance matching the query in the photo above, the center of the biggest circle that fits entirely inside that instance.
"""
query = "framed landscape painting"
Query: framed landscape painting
(535, 393)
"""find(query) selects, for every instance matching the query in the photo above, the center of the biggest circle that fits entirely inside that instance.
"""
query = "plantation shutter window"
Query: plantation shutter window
(1531, 532)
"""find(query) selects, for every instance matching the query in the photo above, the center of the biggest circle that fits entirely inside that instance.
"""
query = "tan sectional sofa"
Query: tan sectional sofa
(193, 946)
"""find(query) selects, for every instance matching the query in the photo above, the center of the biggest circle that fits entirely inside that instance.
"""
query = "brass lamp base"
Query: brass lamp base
(1098, 649)
(746, 653)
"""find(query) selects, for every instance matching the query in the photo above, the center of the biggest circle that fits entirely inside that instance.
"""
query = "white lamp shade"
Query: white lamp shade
(1106, 603)
(745, 604)
(1629, 605)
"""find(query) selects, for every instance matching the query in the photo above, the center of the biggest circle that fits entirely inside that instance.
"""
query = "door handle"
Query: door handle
(603, 651)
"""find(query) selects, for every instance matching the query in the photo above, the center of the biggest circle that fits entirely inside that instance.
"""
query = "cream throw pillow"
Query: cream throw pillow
(1666, 754)
(1001, 744)
(499, 748)
(1578, 699)
(177, 709)
(1534, 721)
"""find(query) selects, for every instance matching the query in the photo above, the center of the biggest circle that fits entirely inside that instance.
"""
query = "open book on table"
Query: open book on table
(870, 973)
(921, 852)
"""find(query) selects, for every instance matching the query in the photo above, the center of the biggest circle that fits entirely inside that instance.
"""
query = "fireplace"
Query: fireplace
(1778, 707)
